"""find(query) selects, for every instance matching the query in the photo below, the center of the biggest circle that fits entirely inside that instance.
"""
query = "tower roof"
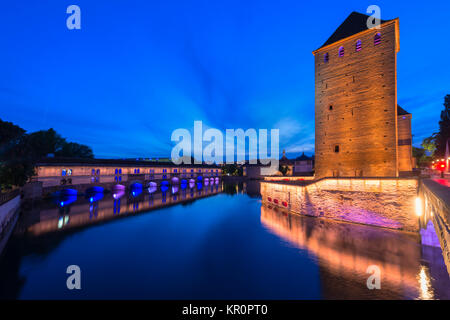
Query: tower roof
(355, 23)
(303, 157)
(401, 111)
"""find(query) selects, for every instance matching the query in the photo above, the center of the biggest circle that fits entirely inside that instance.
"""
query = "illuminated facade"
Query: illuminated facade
(58, 172)
(360, 131)
(387, 203)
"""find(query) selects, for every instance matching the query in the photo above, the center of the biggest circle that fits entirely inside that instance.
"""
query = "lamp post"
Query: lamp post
(441, 166)
(447, 153)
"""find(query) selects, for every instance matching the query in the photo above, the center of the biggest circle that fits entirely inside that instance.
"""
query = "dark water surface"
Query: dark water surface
(215, 243)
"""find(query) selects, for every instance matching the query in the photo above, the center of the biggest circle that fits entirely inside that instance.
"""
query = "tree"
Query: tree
(284, 170)
(9, 132)
(232, 170)
(429, 144)
(75, 150)
(43, 142)
(422, 159)
(444, 128)
(20, 151)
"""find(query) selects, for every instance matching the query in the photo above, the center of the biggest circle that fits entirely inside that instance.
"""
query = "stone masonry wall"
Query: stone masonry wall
(388, 203)
(356, 107)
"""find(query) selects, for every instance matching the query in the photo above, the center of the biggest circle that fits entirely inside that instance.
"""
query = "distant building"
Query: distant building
(285, 162)
(405, 159)
(56, 172)
(303, 165)
(360, 130)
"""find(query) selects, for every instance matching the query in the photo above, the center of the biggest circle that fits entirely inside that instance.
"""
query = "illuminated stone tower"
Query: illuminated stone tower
(356, 102)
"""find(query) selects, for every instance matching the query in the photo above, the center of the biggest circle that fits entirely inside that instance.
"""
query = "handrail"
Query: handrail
(5, 197)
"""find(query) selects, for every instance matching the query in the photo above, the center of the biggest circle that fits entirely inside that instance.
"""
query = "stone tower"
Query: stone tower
(356, 101)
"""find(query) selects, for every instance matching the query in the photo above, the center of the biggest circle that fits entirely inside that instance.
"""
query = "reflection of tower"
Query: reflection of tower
(344, 252)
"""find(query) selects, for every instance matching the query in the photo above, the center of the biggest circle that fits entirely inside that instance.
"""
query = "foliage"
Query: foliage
(232, 170)
(20, 151)
(9, 132)
(284, 170)
(444, 128)
(429, 145)
(422, 159)
(75, 150)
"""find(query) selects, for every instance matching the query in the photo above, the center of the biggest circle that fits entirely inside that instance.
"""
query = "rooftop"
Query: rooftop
(303, 157)
(355, 23)
(401, 111)
(113, 163)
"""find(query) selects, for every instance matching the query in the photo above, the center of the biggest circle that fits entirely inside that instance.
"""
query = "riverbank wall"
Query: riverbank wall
(9, 213)
(435, 212)
(381, 202)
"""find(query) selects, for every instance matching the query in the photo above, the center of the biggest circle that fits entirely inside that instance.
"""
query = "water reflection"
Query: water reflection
(230, 246)
(344, 252)
(69, 211)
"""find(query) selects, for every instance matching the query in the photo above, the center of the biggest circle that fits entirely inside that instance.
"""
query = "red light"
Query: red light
(441, 166)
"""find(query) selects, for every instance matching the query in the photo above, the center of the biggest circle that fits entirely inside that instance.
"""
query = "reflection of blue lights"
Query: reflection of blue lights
(64, 200)
(94, 197)
(136, 189)
(164, 186)
(152, 187)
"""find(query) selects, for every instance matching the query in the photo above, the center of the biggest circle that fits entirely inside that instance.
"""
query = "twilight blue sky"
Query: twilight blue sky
(137, 70)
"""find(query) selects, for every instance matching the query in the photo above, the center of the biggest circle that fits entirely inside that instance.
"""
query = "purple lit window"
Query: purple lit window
(358, 45)
(377, 39)
(341, 52)
(326, 57)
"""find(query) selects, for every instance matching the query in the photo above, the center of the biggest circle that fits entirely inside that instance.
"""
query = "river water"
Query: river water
(209, 242)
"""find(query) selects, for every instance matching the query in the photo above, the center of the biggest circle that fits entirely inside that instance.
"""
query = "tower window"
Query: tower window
(377, 39)
(336, 149)
(358, 45)
(331, 108)
(326, 57)
(341, 52)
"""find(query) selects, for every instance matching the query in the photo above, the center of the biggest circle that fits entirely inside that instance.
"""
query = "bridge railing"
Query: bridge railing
(6, 196)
